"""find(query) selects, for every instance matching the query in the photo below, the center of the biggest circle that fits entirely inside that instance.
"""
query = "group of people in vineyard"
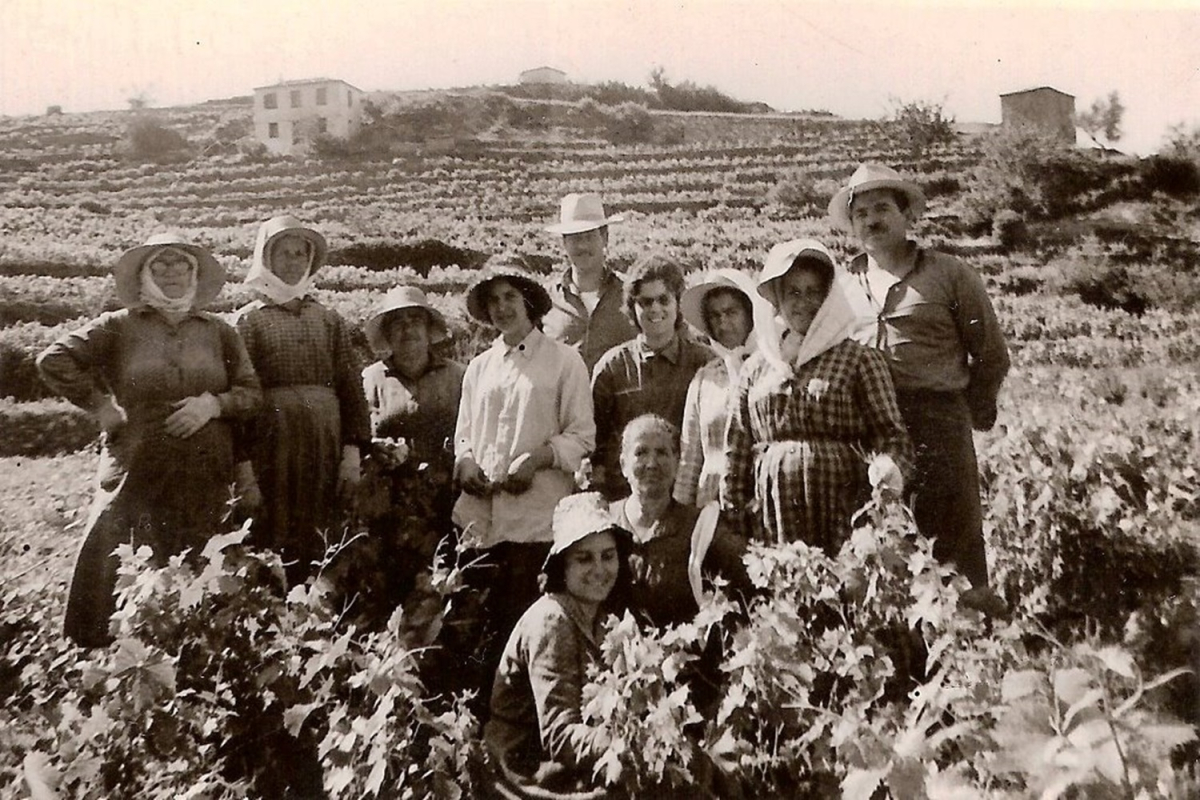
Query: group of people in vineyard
(624, 437)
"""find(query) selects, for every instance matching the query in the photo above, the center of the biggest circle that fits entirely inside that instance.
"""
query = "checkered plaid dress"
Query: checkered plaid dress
(798, 445)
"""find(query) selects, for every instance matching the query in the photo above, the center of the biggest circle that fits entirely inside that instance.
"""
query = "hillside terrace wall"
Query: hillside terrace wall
(699, 127)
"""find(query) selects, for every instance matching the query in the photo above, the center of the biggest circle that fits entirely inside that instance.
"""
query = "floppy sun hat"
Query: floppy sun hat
(398, 298)
(582, 212)
(535, 294)
(578, 516)
(691, 303)
(210, 275)
(873, 176)
(287, 225)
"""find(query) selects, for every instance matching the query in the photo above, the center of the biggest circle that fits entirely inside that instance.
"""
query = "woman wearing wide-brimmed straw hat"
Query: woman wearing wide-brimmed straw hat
(814, 421)
(165, 380)
(305, 449)
(539, 742)
(524, 426)
(722, 308)
(413, 393)
(930, 313)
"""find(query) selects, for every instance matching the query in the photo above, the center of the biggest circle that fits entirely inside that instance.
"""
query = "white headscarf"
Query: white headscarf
(271, 286)
(152, 294)
(781, 347)
(735, 357)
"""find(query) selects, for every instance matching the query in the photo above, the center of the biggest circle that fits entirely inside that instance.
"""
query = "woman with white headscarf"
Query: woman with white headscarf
(305, 443)
(814, 421)
(722, 308)
(164, 380)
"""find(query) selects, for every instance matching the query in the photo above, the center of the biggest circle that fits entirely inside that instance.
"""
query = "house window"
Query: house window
(322, 125)
(349, 99)
(321, 100)
(269, 100)
(273, 130)
(295, 98)
(295, 133)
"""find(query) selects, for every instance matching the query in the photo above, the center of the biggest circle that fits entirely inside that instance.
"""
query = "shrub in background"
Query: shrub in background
(796, 194)
(1010, 230)
(147, 139)
(1173, 175)
(44, 427)
(420, 256)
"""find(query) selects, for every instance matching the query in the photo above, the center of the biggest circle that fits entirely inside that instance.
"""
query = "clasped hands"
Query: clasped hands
(517, 480)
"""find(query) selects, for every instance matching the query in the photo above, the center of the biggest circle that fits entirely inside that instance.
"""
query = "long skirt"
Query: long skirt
(154, 489)
(297, 450)
(944, 489)
(808, 490)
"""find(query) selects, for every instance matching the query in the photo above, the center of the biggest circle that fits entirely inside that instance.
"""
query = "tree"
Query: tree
(1103, 118)
(921, 124)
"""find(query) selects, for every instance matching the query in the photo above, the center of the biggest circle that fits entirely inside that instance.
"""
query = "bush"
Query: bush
(1034, 174)
(420, 256)
(796, 194)
(1010, 230)
(628, 123)
(147, 139)
(1173, 175)
(920, 125)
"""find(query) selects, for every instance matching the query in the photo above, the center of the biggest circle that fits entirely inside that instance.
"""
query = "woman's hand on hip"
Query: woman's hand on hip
(191, 414)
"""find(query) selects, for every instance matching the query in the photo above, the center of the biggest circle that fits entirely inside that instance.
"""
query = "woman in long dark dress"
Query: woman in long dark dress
(165, 380)
(305, 443)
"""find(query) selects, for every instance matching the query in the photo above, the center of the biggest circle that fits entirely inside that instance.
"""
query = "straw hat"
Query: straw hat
(210, 275)
(582, 212)
(396, 299)
(781, 258)
(873, 176)
(691, 304)
(283, 225)
(536, 295)
(578, 516)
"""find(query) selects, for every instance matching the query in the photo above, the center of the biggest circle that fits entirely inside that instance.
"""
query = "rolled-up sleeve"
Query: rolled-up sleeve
(74, 365)
(464, 434)
(577, 422)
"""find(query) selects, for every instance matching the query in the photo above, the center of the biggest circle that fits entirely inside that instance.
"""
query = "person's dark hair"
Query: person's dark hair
(536, 319)
(554, 573)
(818, 266)
(722, 291)
(654, 267)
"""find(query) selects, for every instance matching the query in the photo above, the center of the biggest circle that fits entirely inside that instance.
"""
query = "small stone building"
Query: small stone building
(543, 75)
(289, 115)
(1043, 107)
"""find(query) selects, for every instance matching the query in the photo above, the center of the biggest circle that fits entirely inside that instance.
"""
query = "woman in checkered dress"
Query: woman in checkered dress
(814, 421)
(305, 443)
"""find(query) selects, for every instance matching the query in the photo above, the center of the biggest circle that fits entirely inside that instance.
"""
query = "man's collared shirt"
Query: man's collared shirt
(594, 333)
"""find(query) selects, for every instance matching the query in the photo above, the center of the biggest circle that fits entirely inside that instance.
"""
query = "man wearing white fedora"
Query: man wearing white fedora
(930, 313)
(587, 296)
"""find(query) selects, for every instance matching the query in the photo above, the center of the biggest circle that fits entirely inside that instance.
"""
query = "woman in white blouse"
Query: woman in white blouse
(722, 308)
(524, 425)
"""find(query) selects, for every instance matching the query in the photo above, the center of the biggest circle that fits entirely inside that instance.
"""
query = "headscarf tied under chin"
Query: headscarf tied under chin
(735, 357)
(784, 349)
(271, 286)
(152, 295)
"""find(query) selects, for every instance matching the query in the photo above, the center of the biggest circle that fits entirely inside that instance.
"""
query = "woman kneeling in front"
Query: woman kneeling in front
(536, 731)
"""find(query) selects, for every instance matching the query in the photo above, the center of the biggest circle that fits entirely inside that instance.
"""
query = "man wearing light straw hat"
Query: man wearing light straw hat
(586, 311)
(931, 316)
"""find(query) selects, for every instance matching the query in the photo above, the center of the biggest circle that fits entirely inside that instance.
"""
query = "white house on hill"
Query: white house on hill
(288, 115)
(543, 75)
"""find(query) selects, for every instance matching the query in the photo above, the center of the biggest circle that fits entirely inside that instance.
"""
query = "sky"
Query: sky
(854, 59)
